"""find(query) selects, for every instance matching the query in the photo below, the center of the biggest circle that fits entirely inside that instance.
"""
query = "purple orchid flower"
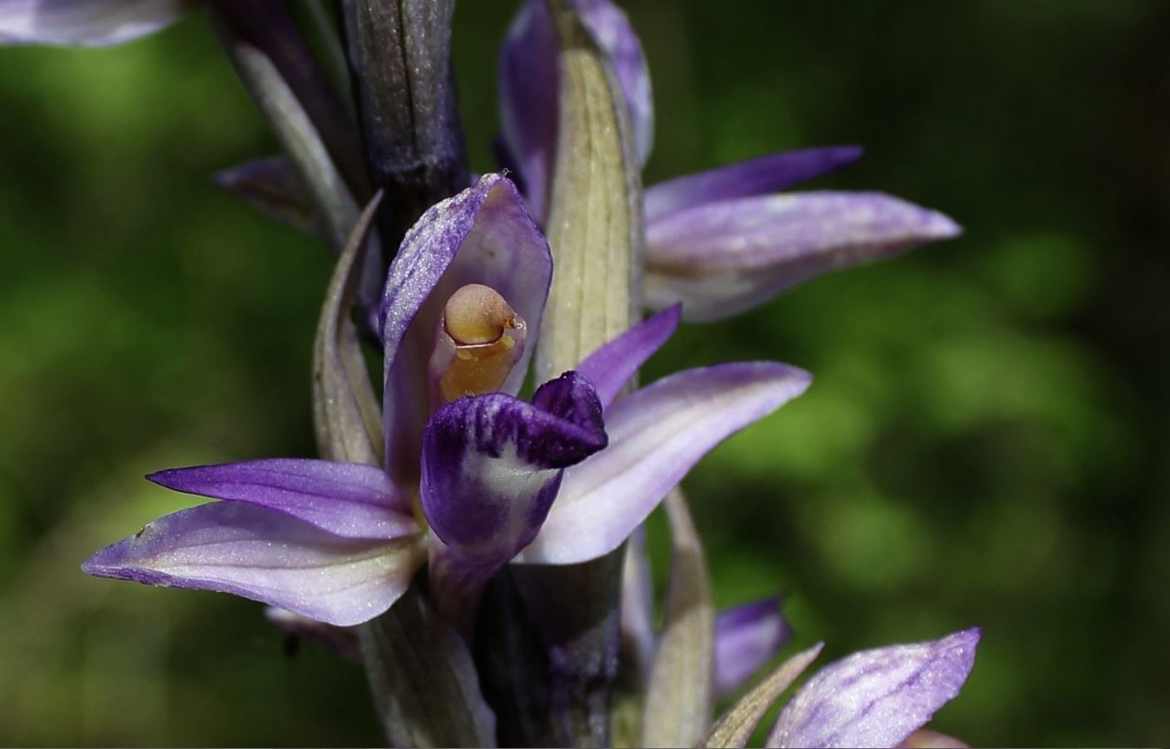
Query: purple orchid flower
(720, 242)
(339, 542)
(875, 698)
(89, 23)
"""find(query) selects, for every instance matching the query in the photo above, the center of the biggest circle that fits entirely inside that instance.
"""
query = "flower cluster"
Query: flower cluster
(424, 497)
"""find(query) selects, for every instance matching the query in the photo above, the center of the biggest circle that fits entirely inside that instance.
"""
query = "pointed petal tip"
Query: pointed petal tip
(940, 226)
(790, 381)
(840, 155)
(962, 644)
(164, 478)
(110, 563)
(91, 566)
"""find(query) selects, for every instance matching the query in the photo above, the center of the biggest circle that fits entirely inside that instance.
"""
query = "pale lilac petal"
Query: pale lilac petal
(529, 86)
(343, 640)
(610, 367)
(492, 463)
(267, 556)
(759, 176)
(877, 697)
(655, 435)
(87, 23)
(346, 499)
(722, 258)
(482, 235)
(747, 637)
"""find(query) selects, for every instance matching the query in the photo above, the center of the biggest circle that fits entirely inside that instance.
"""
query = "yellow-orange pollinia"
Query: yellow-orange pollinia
(480, 340)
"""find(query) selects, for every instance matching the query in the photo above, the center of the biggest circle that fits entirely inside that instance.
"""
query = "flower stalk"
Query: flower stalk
(400, 59)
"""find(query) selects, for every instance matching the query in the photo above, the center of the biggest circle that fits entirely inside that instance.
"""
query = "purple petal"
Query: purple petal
(346, 499)
(529, 86)
(766, 174)
(877, 697)
(491, 468)
(656, 434)
(747, 637)
(723, 258)
(492, 463)
(610, 367)
(266, 556)
(482, 235)
(89, 23)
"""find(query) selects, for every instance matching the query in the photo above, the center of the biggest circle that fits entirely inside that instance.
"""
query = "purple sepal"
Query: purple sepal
(267, 556)
(610, 367)
(655, 435)
(85, 23)
(722, 258)
(482, 235)
(529, 87)
(876, 697)
(759, 176)
(747, 637)
(346, 499)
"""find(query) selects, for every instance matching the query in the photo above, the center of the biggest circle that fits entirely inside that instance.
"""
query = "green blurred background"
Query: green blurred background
(984, 442)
